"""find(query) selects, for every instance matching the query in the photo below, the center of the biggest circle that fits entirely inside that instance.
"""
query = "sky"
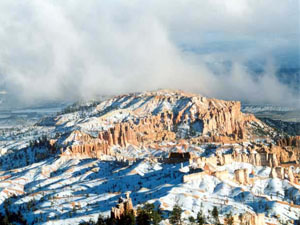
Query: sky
(68, 50)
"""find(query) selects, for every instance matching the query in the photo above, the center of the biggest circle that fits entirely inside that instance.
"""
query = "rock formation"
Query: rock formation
(165, 116)
(282, 173)
(257, 159)
(222, 175)
(242, 176)
(277, 172)
(77, 136)
(249, 219)
(289, 141)
(123, 207)
(86, 146)
(194, 176)
(290, 175)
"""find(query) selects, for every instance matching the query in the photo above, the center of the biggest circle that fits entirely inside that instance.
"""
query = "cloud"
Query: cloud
(74, 49)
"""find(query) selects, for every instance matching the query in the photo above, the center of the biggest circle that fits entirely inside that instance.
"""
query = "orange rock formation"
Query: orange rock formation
(123, 207)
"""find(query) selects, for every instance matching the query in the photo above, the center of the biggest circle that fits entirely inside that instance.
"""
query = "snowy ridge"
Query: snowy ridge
(70, 189)
(262, 108)
(95, 187)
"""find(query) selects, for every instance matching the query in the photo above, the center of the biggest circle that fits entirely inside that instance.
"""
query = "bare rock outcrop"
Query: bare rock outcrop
(217, 119)
(257, 159)
(283, 154)
(222, 175)
(123, 207)
(289, 141)
(78, 136)
(290, 175)
(242, 176)
(165, 116)
(92, 149)
(282, 173)
(249, 219)
(147, 130)
(277, 172)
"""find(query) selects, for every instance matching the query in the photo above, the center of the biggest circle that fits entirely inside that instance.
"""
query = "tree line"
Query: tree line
(149, 215)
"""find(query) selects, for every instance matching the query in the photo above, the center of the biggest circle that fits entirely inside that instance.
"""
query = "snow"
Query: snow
(94, 186)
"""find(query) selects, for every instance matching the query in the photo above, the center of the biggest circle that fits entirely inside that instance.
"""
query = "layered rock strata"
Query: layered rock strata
(154, 117)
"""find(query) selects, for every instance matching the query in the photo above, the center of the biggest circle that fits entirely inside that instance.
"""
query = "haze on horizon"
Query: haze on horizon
(70, 50)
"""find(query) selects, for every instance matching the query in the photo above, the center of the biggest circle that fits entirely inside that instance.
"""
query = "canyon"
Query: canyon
(163, 147)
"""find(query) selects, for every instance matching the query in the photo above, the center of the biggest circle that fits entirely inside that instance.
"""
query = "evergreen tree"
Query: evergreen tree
(215, 214)
(111, 221)
(200, 218)
(90, 222)
(101, 220)
(127, 219)
(192, 220)
(156, 216)
(175, 217)
(143, 217)
(149, 215)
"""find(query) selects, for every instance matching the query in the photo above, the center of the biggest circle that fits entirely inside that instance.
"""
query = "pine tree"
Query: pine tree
(127, 219)
(200, 218)
(156, 216)
(111, 221)
(215, 214)
(192, 220)
(175, 217)
(148, 215)
(101, 220)
(143, 217)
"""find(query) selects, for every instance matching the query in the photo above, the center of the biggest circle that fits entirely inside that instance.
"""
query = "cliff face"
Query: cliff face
(153, 117)
(282, 173)
(242, 176)
(293, 141)
(256, 159)
(186, 114)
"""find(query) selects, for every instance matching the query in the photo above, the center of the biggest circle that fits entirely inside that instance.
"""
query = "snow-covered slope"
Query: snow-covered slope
(71, 191)
(50, 187)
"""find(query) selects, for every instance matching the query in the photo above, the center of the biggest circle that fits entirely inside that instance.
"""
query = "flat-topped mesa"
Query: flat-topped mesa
(167, 116)
(153, 117)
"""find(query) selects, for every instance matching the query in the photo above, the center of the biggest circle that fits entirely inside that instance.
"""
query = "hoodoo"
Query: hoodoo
(154, 117)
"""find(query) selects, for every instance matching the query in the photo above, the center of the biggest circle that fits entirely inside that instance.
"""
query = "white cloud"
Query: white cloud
(73, 49)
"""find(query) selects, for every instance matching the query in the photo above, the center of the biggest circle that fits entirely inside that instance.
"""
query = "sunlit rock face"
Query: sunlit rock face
(152, 117)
